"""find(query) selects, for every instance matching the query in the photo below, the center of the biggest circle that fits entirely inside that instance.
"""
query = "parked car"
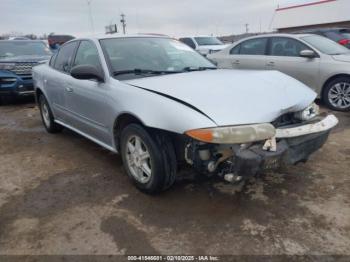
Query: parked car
(18, 38)
(204, 44)
(55, 41)
(314, 60)
(161, 105)
(17, 58)
(339, 35)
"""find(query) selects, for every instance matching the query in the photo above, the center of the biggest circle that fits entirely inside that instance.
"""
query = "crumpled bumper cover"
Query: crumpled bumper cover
(294, 145)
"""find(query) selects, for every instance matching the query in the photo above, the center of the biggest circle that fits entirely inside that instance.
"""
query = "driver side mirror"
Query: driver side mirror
(308, 54)
(87, 72)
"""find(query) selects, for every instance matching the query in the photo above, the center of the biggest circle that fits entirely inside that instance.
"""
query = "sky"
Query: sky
(172, 17)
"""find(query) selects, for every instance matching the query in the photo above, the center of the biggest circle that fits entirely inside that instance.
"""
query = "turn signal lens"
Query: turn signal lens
(233, 134)
(205, 135)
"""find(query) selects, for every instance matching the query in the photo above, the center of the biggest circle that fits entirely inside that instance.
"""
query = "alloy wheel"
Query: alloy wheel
(45, 113)
(138, 159)
(339, 95)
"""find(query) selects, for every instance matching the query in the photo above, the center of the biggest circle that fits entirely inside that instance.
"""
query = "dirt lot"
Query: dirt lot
(62, 194)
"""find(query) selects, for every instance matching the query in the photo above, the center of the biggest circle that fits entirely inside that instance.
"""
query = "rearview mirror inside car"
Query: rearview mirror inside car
(87, 72)
(308, 54)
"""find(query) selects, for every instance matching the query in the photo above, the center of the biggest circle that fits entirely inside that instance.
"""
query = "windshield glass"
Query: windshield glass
(20, 48)
(153, 54)
(325, 45)
(208, 41)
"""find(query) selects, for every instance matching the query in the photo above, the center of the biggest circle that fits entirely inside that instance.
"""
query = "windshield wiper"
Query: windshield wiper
(201, 68)
(137, 71)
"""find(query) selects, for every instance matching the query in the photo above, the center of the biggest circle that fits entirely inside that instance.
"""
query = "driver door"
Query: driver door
(284, 56)
(86, 98)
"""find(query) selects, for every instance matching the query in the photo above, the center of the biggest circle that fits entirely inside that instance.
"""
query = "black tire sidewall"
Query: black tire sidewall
(325, 95)
(157, 180)
(53, 128)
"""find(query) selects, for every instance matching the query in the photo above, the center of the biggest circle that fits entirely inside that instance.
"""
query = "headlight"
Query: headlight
(233, 134)
(308, 113)
(7, 66)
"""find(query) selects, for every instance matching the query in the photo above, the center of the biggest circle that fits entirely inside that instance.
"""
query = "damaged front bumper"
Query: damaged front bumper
(290, 145)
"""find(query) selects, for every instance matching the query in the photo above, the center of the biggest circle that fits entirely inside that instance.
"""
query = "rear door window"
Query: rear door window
(236, 50)
(65, 57)
(254, 47)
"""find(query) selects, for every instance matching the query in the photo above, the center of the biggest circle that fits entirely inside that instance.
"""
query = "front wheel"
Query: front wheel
(336, 94)
(47, 117)
(149, 160)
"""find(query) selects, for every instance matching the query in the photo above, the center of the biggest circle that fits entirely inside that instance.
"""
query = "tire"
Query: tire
(335, 91)
(47, 116)
(160, 166)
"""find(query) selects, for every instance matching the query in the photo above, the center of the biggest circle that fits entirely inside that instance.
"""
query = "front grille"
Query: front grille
(23, 68)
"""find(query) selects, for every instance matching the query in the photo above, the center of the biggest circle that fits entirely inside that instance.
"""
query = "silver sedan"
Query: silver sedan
(162, 105)
(318, 62)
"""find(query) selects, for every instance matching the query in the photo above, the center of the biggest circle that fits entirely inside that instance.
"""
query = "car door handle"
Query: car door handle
(69, 89)
(236, 62)
(270, 63)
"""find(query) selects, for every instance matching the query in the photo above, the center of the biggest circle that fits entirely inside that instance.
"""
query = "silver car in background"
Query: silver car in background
(162, 106)
(318, 62)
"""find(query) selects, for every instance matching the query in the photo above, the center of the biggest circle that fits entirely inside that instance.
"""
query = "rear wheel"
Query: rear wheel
(336, 94)
(47, 116)
(149, 160)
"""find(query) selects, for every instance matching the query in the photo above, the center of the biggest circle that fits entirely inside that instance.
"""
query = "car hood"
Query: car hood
(233, 97)
(24, 59)
(342, 58)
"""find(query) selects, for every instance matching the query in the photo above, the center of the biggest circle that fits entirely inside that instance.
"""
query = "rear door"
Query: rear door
(56, 82)
(86, 101)
(284, 56)
(249, 54)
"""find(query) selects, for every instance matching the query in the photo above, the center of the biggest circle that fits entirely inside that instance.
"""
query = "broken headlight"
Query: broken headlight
(233, 134)
(308, 113)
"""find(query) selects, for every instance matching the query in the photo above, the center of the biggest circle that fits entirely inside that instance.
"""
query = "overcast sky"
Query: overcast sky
(172, 17)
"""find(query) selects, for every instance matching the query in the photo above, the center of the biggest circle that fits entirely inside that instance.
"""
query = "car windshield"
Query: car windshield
(150, 55)
(208, 41)
(325, 45)
(22, 48)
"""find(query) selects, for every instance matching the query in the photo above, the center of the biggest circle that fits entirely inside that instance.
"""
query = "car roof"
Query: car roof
(22, 41)
(275, 35)
(100, 37)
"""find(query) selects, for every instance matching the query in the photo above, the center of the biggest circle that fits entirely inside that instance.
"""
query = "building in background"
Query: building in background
(297, 15)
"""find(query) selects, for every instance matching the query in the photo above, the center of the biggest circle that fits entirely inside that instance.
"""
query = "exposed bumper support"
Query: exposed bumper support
(322, 125)
(289, 151)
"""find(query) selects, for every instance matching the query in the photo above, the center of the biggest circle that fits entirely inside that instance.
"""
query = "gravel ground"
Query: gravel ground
(62, 194)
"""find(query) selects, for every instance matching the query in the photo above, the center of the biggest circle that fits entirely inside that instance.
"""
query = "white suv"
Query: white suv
(204, 45)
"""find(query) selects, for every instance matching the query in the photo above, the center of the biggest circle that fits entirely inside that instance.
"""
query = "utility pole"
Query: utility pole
(123, 21)
(90, 16)
(247, 28)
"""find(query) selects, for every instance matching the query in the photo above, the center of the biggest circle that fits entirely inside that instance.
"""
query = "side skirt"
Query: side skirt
(88, 137)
